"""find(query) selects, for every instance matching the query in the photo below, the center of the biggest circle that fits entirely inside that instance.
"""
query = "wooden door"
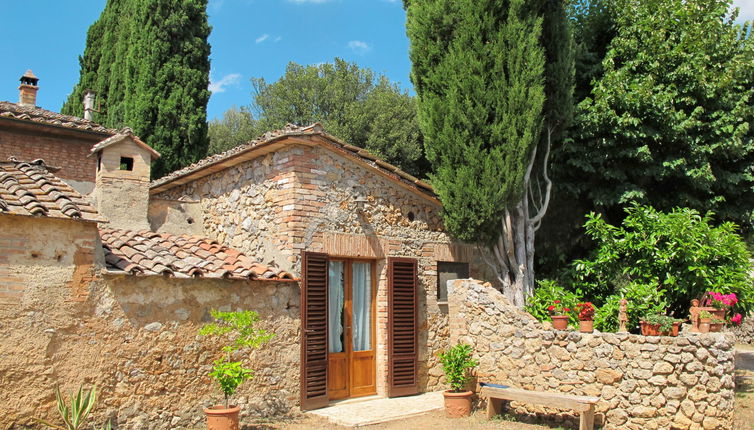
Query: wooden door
(351, 336)
(314, 331)
(402, 327)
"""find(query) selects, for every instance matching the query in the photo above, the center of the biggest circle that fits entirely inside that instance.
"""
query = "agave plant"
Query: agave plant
(75, 415)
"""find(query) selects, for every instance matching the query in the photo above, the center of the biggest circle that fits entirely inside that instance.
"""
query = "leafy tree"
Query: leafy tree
(351, 103)
(669, 121)
(490, 77)
(675, 256)
(237, 126)
(148, 62)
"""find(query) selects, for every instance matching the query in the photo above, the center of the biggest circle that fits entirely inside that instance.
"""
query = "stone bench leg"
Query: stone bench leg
(587, 419)
(494, 407)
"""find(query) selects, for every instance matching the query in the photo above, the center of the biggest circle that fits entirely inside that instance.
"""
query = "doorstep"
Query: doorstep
(375, 410)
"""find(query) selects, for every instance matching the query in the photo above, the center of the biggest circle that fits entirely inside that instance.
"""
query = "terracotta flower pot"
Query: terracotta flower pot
(648, 329)
(560, 322)
(586, 326)
(222, 418)
(715, 327)
(718, 313)
(457, 405)
(704, 325)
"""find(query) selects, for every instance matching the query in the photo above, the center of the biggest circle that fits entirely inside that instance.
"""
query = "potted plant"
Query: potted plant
(456, 363)
(586, 317)
(559, 315)
(705, 321)
(718, 304)
(659, 325)
(716, 324)
(239, 326)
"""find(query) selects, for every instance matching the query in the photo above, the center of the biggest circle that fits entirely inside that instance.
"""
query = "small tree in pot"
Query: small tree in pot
(456, 363)
(239, 326)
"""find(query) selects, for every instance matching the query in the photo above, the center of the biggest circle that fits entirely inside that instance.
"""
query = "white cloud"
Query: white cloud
(359, 47)
(221, 85)
(747, 9)
(262, 38)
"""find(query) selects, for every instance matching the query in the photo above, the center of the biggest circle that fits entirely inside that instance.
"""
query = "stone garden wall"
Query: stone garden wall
(745, 332)
(650, 382)
(135, 337)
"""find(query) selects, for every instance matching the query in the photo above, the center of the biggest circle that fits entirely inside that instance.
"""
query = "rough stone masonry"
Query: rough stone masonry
(644, 382)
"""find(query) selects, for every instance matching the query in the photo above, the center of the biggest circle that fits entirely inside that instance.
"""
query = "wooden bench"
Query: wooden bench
(497, 394)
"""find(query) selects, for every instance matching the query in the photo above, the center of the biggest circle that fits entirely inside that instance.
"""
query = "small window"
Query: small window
(447, 271)
(126, 163)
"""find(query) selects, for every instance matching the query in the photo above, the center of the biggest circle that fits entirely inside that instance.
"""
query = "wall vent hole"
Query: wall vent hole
(411, 216)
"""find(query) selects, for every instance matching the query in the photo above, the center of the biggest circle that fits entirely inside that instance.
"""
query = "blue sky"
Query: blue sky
(250, 38)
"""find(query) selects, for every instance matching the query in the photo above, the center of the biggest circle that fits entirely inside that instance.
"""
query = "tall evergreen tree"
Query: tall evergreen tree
(494, 81)
(148, 62)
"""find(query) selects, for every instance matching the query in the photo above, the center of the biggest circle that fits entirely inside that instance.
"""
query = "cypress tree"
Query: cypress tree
(148, 61)
(490, 76)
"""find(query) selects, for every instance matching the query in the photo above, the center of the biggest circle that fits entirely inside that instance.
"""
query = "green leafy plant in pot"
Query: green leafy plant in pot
(240, 328)
(456, 363)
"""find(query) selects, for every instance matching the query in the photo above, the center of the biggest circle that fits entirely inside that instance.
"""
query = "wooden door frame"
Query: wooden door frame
(348, 308)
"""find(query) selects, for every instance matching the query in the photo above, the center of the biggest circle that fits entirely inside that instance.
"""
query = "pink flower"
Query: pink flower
(551, 308)
(736, 319)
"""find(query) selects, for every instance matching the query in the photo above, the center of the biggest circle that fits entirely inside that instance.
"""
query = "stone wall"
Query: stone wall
(644, 382)
(135, 337)
(303, 198)
(745, 332)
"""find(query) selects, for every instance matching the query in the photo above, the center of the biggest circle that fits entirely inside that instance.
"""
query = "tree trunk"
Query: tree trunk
(514, 250)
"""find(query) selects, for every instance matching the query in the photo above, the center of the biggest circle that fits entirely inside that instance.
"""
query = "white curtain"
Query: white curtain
(335, 305)
(362, 306)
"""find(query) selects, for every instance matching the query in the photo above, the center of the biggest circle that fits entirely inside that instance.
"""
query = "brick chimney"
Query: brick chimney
(27, 95)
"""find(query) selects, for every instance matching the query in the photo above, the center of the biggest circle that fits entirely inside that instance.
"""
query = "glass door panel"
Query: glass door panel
(336, 306)
(361, 285)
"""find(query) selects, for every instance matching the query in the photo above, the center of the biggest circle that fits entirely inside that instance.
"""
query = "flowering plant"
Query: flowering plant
(736, 319)
(720, 300)
(586, 311)
(557, 309)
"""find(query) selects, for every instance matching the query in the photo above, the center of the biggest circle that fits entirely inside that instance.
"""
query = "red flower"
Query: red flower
(566, 310)
(557, 301)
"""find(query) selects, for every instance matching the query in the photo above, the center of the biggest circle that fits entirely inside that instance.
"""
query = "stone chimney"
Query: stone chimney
(89, 104)
(27, 95)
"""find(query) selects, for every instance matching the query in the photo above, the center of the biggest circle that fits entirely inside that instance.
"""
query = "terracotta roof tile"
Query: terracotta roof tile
(291, 131)
(30, 189)
(35, 114)
(172, 255)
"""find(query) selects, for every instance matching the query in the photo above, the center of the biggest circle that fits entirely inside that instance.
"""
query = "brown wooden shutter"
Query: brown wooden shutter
(313, 331)
(402, 327)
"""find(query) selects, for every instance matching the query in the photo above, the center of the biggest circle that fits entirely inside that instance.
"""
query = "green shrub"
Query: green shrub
(678, 255)
(545, 295)
(456, 363)
(75, 415)
(241, 327)
(641, 299)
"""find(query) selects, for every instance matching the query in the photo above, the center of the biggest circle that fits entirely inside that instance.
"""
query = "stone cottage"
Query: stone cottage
(365, 237)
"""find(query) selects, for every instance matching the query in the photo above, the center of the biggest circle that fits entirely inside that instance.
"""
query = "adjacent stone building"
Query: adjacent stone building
(29, 132)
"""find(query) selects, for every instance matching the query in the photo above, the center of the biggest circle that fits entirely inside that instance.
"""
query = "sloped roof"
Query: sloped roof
(43, 116)
(235, 156)
(28, 188)
(149, 253)
(120, 136)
